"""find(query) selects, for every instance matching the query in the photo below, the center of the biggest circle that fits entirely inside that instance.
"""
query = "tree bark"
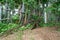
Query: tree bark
(0, 11)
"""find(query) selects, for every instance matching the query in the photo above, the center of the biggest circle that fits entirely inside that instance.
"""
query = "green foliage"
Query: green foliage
(15, 18)
(41, 24)
(37, 20)
(54, 8)
(51, 24)
(11, 25)
(16, 4)
(44, 1)
(12, 4)
(28, 26)
(2, 27)
(50, 8)
(5, 27)
(34, 17)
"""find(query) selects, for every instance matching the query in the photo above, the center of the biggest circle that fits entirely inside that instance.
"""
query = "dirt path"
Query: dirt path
(36, 34)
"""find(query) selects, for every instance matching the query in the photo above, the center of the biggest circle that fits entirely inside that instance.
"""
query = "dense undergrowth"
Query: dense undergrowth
(6, 27)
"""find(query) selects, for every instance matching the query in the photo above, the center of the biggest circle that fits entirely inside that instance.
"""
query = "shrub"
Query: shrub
(15, 18)
(28, 26)
(6, 27)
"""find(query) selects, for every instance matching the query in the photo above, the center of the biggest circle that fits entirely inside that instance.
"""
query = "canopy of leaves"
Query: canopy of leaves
(44, 1)
(55, 7)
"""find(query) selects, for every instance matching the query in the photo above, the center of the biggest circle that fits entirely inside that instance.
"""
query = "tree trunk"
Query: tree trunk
(20, 14)
(0, 11)
(25, 19)
(21, 11)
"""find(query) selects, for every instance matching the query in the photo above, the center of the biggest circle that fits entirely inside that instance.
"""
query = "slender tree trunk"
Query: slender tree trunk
(20, 14)
(0, 11)
(6, 12)
(45, 17)
(45, 13)
(39, 9)
(25, 19)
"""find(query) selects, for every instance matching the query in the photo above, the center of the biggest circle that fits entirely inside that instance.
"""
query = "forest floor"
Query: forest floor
(44, 33)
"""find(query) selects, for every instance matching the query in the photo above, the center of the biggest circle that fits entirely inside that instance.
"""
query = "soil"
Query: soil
(45, 33)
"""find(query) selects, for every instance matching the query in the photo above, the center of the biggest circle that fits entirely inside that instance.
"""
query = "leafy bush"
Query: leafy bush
(15, 18)
(6, 27)
(51, 24)
(2, 27)
(28, 26)
(35, 17)
(37, 21)
(12, 25)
